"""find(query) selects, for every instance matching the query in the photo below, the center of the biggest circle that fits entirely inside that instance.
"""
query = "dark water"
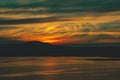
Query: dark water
(59, 68)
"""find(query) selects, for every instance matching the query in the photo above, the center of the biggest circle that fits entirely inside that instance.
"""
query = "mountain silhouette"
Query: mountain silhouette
(36, 48)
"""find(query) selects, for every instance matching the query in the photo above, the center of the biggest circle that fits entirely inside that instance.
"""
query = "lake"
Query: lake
(59, 68)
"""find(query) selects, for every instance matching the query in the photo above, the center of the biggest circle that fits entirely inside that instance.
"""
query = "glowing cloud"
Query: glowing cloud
(77, 21)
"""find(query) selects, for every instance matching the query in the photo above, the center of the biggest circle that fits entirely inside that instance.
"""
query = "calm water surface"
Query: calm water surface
(59, 68)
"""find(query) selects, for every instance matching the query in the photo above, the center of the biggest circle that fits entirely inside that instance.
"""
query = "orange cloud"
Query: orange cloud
(75, 30)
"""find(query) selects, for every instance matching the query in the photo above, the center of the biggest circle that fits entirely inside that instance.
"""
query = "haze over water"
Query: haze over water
(59, 68)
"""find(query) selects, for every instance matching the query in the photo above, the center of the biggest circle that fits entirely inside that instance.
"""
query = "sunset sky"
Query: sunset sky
(60, 21)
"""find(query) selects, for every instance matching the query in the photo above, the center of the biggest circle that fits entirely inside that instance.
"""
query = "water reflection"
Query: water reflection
(49, 64)
(58, 68)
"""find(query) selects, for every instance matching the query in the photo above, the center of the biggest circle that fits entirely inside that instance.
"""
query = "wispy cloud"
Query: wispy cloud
(54, 20)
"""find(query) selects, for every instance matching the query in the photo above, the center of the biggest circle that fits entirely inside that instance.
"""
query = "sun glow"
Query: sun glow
(53, 41)
(50, 41)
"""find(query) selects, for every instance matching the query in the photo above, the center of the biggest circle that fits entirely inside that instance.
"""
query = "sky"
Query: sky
(60, 21)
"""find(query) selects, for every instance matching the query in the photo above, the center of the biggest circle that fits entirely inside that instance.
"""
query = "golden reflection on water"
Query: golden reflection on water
(50, 67)
(49, 62)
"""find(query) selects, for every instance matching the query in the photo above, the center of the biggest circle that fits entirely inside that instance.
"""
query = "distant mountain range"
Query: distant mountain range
(35, 48)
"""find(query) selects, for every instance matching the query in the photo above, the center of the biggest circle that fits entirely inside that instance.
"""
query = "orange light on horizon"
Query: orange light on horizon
(47, 40)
